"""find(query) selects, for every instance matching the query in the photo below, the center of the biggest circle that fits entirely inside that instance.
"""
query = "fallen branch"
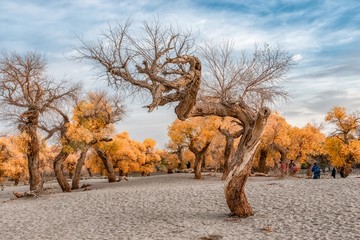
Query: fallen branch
(25, 194)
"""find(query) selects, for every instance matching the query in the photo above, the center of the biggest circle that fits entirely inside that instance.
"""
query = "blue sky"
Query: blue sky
(323, 35)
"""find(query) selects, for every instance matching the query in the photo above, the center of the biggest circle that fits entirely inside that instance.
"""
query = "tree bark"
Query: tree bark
(262, 161)
(79, 164)
(197, 167)
(199, 158)
(179, 155)
(241, 166)
(229, 150)
(107, 164)
(58, 163)
(89, 171)
(33, 152)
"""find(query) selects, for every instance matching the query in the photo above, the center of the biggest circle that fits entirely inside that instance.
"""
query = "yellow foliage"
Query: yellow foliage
(70, 163)
(128, 155)
(198, 129)
(13, 159)
(343, 148)
(340, 153)
(276, 131)
(276, 135)
(305, 141)
(91, 122)
(345, 124)
(296, 143)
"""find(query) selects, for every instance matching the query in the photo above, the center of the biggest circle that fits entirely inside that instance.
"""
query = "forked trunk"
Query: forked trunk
(79, 164)
(108, 165)
(58, 163)
(199, 158)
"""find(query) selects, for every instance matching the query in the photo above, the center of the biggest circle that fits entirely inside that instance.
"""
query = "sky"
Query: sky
(323, 36)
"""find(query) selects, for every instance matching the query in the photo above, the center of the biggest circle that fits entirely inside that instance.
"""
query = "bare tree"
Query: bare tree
(160, 60)
(26, 95)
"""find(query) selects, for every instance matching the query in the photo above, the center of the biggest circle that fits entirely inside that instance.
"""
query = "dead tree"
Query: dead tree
(161, 61)
(26, 95)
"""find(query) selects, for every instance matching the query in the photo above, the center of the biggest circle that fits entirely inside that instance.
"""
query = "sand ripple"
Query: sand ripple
(178, 207)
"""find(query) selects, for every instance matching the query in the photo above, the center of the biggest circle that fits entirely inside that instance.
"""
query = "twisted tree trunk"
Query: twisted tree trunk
(107, 164)
(31, 117)
(236, 180)
(58, 169)
(241, 166)
(79, 164)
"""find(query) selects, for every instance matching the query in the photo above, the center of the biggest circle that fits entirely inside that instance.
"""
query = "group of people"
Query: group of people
(316, 172)
(292, 169)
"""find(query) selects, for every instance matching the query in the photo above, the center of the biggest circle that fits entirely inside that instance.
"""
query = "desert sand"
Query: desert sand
(176, 206)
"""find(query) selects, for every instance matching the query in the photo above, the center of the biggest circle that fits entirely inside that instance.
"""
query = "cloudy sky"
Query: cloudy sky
(323, 35)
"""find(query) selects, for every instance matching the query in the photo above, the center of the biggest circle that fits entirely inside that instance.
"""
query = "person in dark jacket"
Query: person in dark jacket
(316, 171)
(333, 173)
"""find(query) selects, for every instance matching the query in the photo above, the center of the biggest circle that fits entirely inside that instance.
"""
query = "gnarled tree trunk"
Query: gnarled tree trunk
(199, 158)
(79, 164)
(107, 164)
(33, 150)
(241, 166)
(58, 168)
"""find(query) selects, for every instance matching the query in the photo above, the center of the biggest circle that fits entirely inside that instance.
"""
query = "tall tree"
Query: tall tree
(343, 144)
(93, 122)
(26, 95)
(195, 134)
(160, 61)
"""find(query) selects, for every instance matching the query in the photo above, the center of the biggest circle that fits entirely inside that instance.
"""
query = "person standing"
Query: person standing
(333, 173)
(316, 171)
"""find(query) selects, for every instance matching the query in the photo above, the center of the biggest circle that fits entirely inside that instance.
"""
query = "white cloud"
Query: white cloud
(322, 41)
(297, 57)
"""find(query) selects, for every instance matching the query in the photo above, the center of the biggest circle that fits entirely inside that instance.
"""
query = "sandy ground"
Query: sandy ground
(176, 206)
